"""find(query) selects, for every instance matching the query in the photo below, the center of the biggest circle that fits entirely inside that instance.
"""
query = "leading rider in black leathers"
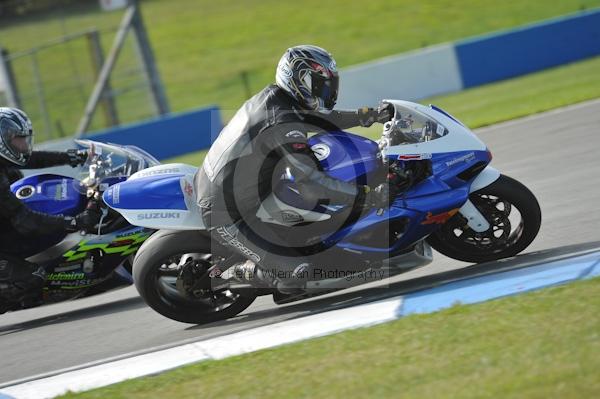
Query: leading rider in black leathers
(22, 229)
(267, 136)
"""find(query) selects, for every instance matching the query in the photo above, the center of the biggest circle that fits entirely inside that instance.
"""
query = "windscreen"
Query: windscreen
(410, 126)
(107, 161)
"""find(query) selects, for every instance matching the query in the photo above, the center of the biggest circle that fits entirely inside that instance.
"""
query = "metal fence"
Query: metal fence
(61, 83)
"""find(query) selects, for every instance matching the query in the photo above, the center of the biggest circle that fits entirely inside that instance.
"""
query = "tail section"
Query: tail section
(161, 197)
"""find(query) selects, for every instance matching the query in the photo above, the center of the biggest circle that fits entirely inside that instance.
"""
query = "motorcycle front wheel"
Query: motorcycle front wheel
(157, 266)
(514, 216)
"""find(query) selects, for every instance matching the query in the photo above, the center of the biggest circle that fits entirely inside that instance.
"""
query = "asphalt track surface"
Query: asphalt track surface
(555, 154)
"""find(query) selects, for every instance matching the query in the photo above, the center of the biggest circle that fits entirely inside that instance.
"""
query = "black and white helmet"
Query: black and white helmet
(16, 136)
(309, 74)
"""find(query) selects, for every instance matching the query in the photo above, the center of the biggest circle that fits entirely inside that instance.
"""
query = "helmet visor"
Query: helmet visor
(325, 89)
(18, 142)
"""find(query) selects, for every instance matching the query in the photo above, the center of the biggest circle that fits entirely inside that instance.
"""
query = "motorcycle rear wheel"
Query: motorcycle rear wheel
(155, 270)
(510, 232)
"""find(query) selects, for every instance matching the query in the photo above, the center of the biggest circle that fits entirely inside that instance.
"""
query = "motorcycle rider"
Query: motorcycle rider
(21, 229)
(268, 134)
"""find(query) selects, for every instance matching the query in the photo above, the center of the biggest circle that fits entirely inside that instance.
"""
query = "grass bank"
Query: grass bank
(203, 47)
(536, 345)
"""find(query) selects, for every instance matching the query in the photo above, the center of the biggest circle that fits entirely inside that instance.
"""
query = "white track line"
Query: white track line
(216, 348)
(472, 290)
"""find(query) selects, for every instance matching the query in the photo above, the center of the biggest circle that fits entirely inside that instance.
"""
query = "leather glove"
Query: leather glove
(385, 113)
(367, 116)
(85, 221)
(76, 157)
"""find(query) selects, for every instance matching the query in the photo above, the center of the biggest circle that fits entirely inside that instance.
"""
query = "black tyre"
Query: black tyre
(513, 213)
(155, 270)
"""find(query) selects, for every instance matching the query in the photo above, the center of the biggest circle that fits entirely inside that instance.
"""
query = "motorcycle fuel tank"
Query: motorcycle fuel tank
(51, 194)
(346, 156)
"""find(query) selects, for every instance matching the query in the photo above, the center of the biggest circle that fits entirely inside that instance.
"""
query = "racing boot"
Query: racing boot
(242, 272)
(21, 283)
(293, 285)
(248, 272)
(297, 284)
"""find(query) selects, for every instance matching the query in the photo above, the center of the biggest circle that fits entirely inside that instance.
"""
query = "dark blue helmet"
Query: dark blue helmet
(309, 74)
(16, 136)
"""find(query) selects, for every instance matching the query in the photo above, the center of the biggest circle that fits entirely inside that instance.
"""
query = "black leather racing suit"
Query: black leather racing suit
(266, 136)
(22, 230)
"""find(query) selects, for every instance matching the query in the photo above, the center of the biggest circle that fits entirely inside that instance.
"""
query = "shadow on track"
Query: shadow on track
(317, 305)
(343, 300)
(79, 314)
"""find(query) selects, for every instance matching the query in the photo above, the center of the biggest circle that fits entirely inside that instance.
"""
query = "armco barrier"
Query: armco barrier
(168, 136)
(532, 48)
(417, 74)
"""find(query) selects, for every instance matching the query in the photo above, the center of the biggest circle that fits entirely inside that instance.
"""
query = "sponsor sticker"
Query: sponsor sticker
(440, 218)
(321, 151)
(187, 188)
(64, 186)
(61, 276)
(158, 215)
(465, 158)
(440, 130)
(116, 190)
(289, 216)
(159, 172)
(413, 157)
(295, 134)
(188, 193)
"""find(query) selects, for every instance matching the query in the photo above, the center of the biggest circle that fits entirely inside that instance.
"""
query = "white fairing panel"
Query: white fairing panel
(166, 169)
(474, 218)
(484, 178)
(459, 137)
(165, 219)
(175, 219)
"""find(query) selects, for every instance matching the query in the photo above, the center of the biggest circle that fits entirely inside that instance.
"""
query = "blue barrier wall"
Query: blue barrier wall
(517, 52)
(167, 136)
(418, 74)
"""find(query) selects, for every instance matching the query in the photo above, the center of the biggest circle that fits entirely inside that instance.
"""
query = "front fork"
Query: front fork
(475, 219)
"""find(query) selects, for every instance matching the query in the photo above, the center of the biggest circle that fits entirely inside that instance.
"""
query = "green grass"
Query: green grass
(502, 101)
(202, 47)
(537, 345)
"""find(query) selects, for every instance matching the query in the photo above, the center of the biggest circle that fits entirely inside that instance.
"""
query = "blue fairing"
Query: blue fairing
(51, 194)
(152, 192)
(354, 159)
(350, 158)
(446, 169)
(414, 211)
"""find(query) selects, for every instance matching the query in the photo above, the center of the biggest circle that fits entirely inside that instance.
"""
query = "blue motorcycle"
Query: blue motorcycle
(81, 264)
(451, 200)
